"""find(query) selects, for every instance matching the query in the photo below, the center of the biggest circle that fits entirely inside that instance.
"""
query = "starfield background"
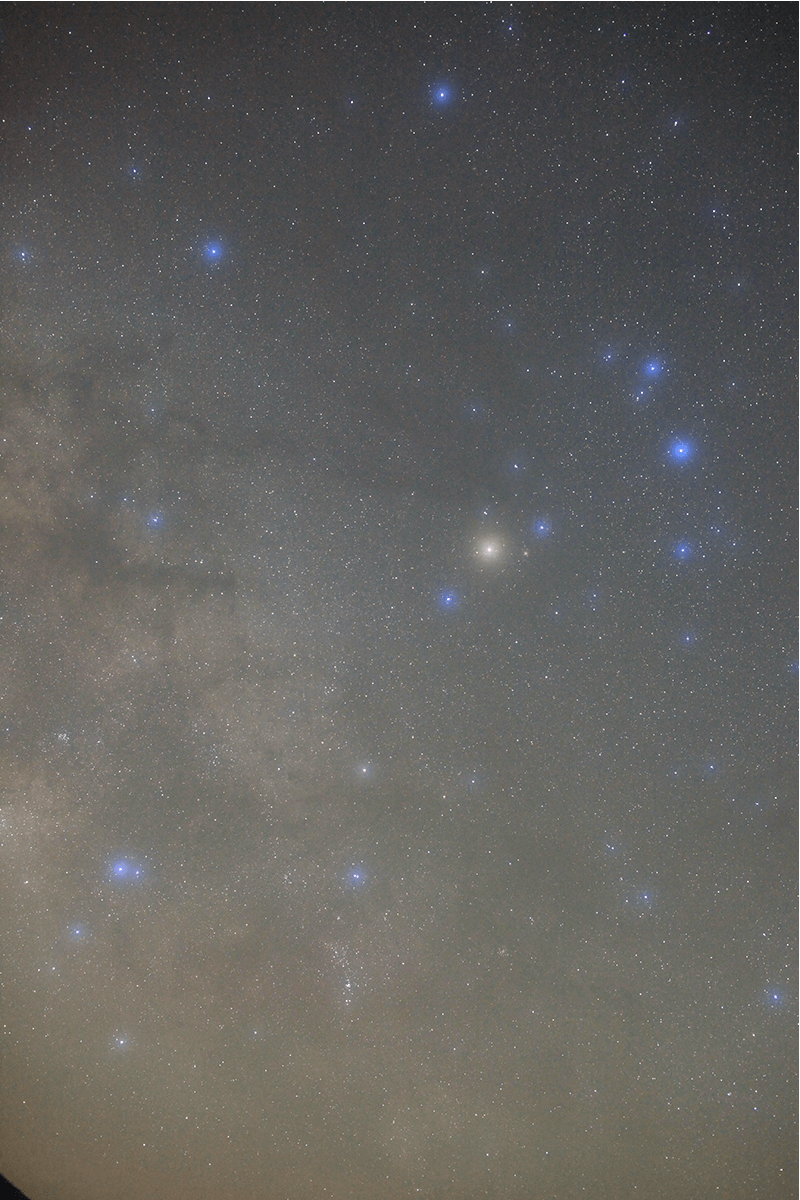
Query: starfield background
(397, 601)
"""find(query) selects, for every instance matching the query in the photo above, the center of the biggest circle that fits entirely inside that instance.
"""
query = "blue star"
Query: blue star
(680, 450)
(213, 252)
(448, 600)
(542, 527)
(155, 520)
(652, 368)
(683, 551)
(442, 94)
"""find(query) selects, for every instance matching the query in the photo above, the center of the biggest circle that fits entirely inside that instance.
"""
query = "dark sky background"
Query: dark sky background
(397, 601)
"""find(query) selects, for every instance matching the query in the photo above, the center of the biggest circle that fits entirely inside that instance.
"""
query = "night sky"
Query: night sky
(398, 664)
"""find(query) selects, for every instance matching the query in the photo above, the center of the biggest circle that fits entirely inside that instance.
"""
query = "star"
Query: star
(442, 94)
(448, 600)
(542, 527)
(213, 252)
(489, 549)
(680, 450)
(475, 411)
(683, 551)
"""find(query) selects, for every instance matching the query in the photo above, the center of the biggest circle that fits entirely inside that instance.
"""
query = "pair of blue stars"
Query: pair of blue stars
(125, 871)
(356, 878)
